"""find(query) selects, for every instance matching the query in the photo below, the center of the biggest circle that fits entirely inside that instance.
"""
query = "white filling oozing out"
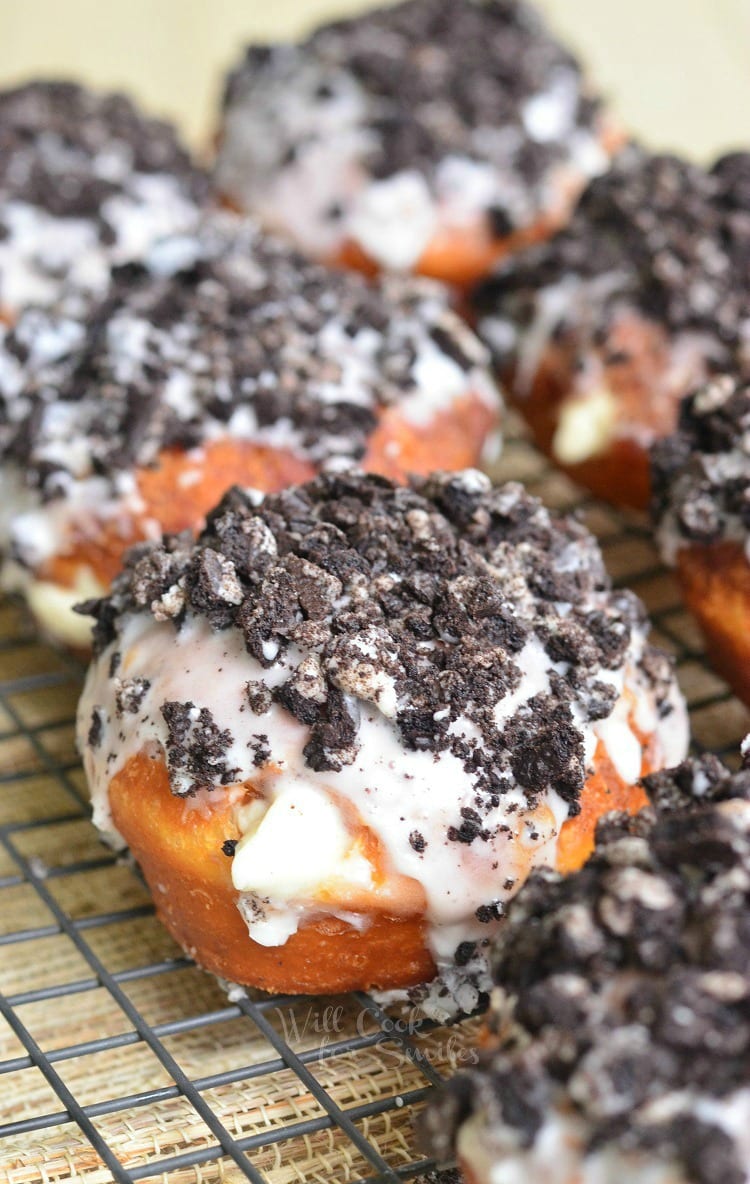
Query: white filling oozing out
(585, 426)
(392, 219)
(393, 791)
(52, 604)
(592, 414)
(558, 1155)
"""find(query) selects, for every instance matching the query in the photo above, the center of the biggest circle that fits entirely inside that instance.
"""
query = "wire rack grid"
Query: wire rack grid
(119, 1059)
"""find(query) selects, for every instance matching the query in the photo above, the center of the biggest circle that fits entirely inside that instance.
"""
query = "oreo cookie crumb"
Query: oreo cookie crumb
(55, 131)
(259, 697)
(701, 474)
(196, 749)
(221, 332)
(129, 694)
(96, 728)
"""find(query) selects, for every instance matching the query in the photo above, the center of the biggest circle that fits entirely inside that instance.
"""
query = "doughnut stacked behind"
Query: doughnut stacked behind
(430, 136)
(86, 183)
(701, 509)
(618, 1046)
(339, 729)
(601, 332)
(224, 358)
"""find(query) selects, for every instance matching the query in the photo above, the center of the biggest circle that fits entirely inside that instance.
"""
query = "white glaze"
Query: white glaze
(43, 253)
(394, 791)
(391, 219)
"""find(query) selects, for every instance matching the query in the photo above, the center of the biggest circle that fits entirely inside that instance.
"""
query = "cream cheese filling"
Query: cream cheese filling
(586, 426)
(52, 606)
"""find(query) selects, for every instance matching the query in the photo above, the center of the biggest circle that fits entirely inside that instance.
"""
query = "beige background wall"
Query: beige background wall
(678, 71)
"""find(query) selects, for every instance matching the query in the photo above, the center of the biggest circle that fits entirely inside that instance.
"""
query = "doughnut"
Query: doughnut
(701, 510)
(617, 1047)
(87, 182)
(432, 136)
(223, 358)
(601, 331)
(339, 728)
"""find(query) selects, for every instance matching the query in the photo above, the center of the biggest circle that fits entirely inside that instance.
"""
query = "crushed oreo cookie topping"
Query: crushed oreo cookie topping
(624, 996)
(654, 233)
(55, 132)
(227, 333)
(701, 474)
(439, 665)
(196, 748)
(484, 60)
(468, 104)
(419, 600)
(86, 181)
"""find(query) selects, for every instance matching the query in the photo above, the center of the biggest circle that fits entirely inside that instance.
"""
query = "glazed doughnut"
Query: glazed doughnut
(224, 358)
(87, 182)
(339, 729)
(431, 136)
(601, 332)
(617, 1046)
(701, 509)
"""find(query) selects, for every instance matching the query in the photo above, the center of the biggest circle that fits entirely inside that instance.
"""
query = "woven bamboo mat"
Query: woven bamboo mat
(119, 1059)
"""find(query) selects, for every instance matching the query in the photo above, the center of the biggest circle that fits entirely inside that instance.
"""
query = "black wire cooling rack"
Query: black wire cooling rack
(121, 1061)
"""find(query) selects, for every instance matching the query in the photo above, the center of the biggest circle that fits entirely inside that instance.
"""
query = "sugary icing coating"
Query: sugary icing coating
(701, 474)
(444, 658)
(619, 1039)
(86, 182)
(426, 113)
(219, 334)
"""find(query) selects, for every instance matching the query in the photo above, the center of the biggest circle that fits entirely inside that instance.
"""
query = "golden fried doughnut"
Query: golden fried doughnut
(340, 729)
